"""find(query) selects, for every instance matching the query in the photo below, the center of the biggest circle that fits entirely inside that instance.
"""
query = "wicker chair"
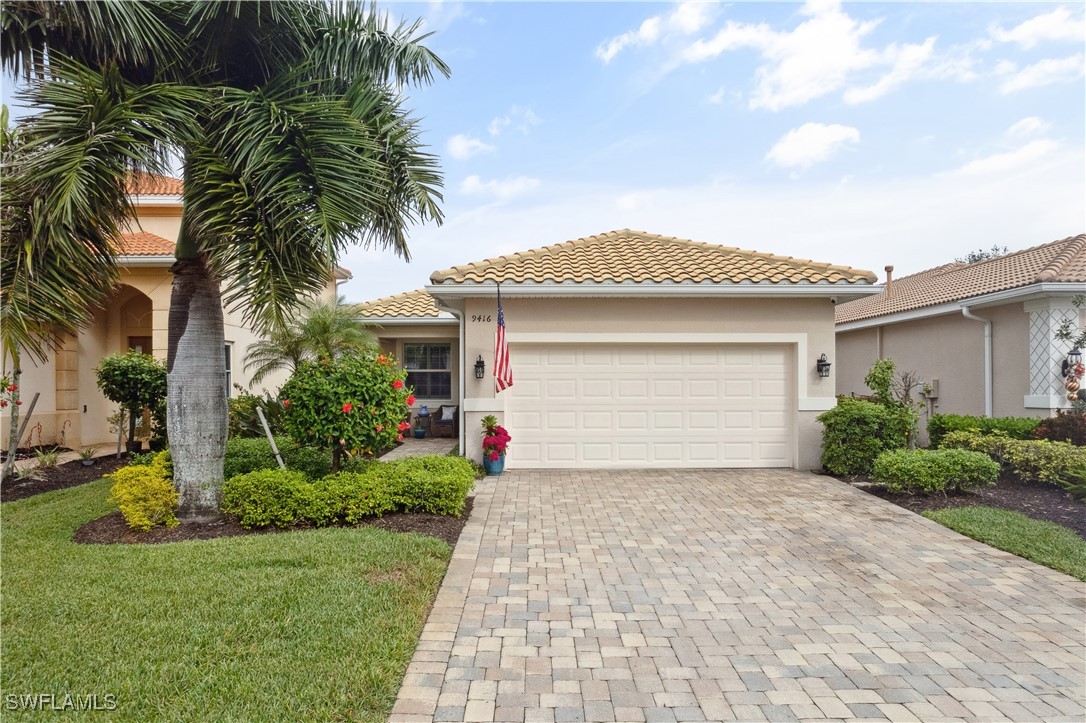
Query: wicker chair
(446, 423)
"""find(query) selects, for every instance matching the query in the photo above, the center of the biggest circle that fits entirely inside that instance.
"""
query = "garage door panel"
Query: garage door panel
(636, 406)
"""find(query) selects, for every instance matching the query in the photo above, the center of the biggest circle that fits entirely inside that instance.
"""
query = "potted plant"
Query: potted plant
(87, 456)
(420, 431)
(495, 443)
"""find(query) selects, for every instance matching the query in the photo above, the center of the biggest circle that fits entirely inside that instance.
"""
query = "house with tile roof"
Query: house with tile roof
(981, 335)
(630, 350)
(70, 407)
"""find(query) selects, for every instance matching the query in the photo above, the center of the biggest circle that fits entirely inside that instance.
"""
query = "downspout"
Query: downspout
(987, 358)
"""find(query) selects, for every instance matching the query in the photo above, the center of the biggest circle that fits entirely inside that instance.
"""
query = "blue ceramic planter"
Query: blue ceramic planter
(494, 467)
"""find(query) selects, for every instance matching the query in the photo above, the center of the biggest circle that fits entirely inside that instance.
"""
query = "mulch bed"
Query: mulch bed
(68, 474)
(112, 529)
(1033, 499)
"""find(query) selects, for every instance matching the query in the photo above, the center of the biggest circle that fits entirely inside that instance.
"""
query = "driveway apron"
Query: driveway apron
(690, 595)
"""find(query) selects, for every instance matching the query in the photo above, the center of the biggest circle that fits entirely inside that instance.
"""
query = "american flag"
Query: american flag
(503, 372)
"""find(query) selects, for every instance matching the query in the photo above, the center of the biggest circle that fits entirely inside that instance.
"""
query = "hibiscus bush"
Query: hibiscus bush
(356, 404)
(495, 438)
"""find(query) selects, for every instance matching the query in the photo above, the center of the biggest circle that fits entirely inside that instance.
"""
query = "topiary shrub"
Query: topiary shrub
(145, 494)
(1014, 427)
(856, 432)
(355, 403)
(133, 380)
(279, 497)
(1064, 427)
(920, 470)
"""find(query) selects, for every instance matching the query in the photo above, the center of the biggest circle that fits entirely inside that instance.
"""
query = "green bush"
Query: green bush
(252, 454)
(1064, 427)
(1014, 427)
(857, 431)
(133, 380)
(1026, 459)
(244, 421)
(145, 494)
(438, 485)
(945, 470)
(279, 497)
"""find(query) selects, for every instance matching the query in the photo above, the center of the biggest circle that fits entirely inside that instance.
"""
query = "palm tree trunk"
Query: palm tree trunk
(13, 433)
(196, 410)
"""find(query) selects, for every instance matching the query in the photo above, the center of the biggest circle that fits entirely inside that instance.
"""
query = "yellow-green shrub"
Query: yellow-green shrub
(145, 494)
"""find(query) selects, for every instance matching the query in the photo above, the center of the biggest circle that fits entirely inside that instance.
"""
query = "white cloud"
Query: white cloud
(717, 98)
(1003, 163)
(519, 118)
(1054, 26)
(686, 19)
(463, 146)
(1044, 72)
(811, 143)
(907, 61)
(1028, 126)
(503, 189)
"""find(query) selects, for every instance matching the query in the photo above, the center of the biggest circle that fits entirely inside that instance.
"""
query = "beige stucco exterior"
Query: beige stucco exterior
(70, 409)
(803, 325)
(948, 348)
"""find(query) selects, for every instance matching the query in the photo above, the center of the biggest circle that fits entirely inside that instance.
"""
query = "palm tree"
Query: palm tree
(294, 143)
(326, 329)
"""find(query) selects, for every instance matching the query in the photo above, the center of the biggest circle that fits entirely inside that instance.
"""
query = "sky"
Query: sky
(860, 134)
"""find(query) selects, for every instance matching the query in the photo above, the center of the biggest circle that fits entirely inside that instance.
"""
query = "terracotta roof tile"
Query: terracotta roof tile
(150, 184)
(1058, 261)
(636, 256)
(143, 243)
(409, 304)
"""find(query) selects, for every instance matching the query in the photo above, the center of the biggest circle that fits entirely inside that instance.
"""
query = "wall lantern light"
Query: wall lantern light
(480, 367)
(823, 366)
(1074, 358)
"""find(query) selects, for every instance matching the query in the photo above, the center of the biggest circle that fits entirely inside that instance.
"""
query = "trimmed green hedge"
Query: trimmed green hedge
(433, 484)
(1058, 463)
(857, 431)
(1014, 427)
(944, 470)
(251, 454)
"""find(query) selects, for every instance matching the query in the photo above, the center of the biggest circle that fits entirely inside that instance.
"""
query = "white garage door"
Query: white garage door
(630, 406)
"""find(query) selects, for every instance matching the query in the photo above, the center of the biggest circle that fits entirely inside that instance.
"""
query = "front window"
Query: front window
(429, 369)
(229, 368)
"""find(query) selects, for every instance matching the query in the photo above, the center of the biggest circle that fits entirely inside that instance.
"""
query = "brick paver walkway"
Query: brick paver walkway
(749, 595)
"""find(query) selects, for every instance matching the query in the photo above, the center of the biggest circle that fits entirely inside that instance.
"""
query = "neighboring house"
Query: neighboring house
(981, 335)
(631, 350)
(70, 408)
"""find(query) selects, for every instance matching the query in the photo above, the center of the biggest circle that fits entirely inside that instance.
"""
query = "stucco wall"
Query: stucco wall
(949, 349)
(813, 317)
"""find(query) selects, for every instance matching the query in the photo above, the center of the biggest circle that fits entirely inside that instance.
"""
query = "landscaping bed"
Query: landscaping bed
(1044, 502)
(60, 477)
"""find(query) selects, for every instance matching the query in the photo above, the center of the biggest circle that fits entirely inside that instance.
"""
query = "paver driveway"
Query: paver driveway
(750, 595)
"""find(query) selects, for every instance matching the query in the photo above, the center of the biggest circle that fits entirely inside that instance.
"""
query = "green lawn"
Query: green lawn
(1045, 543)
(314, 625)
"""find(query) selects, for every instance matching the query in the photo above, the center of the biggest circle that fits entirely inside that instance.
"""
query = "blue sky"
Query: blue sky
(862, 134)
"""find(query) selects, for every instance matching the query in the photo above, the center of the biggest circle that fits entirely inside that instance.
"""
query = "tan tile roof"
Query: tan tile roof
(410, 303)
(1059, 261)
(636, 256)
(150, 184)
(143, 243)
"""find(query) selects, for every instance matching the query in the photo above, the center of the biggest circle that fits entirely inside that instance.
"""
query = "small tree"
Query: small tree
(895, 393)
(133, 380)
(981, 255)
(355, 403)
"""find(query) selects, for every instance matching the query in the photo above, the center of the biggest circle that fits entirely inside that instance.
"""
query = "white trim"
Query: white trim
(954, 307)
(444, 319)
(1044, 401)
(155, 199)
(484, 404)
(968, 314)
(146, 260)
(657, 288)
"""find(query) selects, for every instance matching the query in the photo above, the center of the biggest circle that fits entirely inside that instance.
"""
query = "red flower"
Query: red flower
(402, 426)
(347, 407)
(410, 399)
(380, 427)
(3, 403)
(13, 388)
(399, 437)
(494, 456)
(397, 384)
(286, 402)
(19, 403)
(382, 359)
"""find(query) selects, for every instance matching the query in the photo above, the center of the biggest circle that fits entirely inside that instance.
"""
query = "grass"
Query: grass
(313, 625)
(1045, 543)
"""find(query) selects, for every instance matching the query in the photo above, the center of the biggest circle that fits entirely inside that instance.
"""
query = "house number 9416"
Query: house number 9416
(480, 317)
